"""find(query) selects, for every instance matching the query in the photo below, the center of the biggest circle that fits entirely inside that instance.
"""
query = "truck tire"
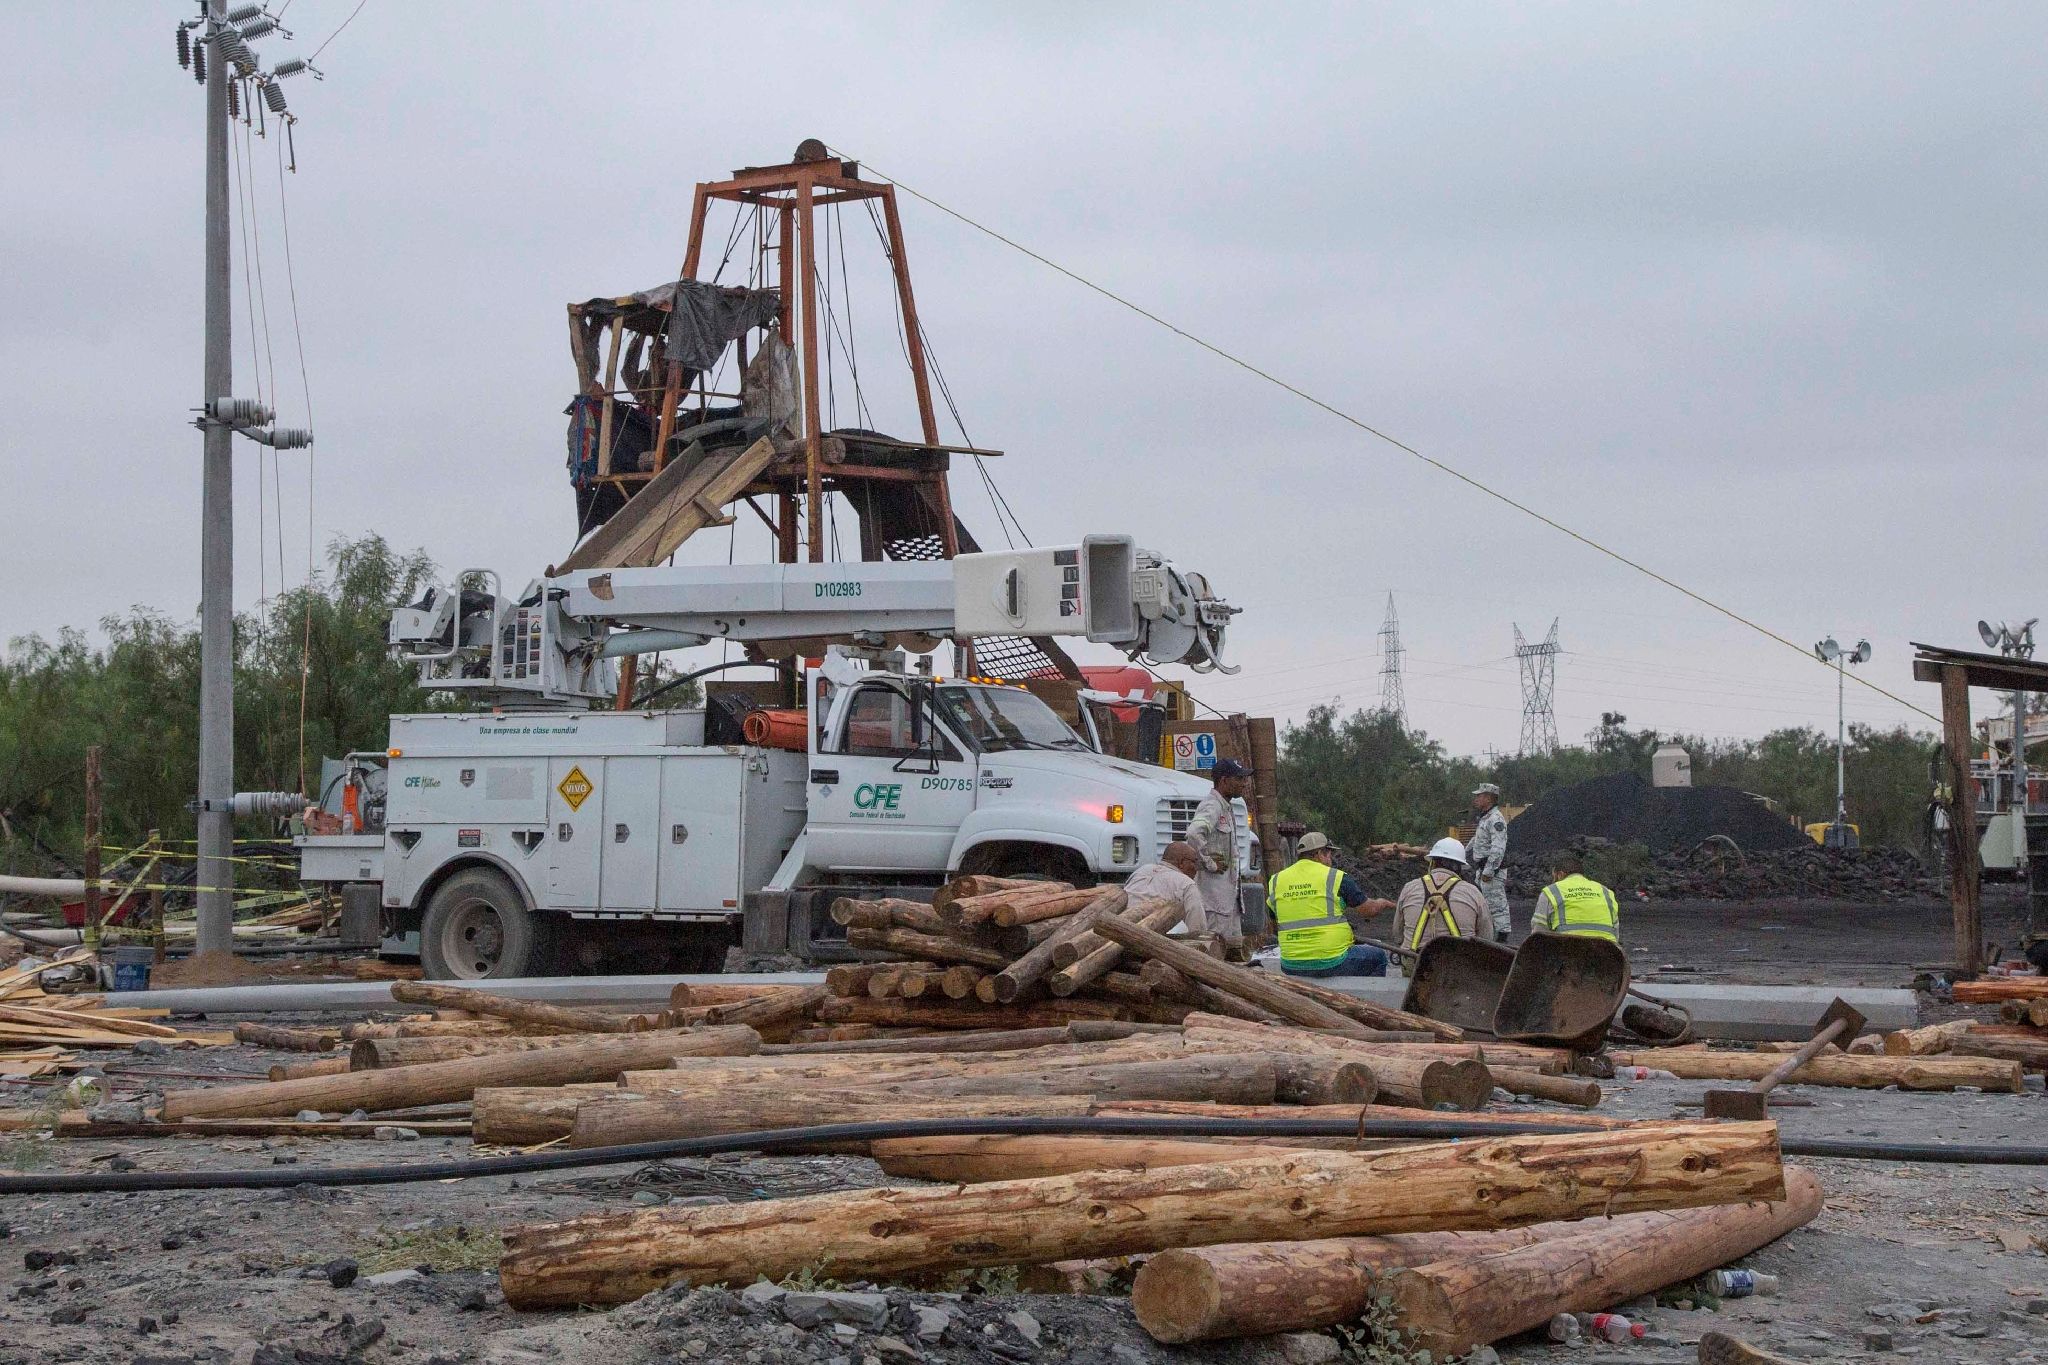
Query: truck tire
(476, 927)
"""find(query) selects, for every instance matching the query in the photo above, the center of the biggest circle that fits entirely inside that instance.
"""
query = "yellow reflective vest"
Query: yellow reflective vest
(1307, 912)
(1579, 905)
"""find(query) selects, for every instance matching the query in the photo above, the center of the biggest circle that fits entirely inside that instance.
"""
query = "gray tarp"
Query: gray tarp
(703, 318)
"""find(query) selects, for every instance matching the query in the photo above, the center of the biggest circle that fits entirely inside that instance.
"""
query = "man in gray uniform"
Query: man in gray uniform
(1485, 853)
(1213, 832)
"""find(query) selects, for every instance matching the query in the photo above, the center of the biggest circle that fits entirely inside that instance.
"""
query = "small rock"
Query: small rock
(358, 1116)
(340, 1273)
(1875, 1340)
(43, 1260)
(1026, 1325)
(149, 1047)
(649, 1198)
(1894, 1312)
(172, 1243)
(391, 1132)
(475, 1301)
(69, 1316)
(280, 1159)
(122, 1112)
(761, 1295)
(2038, 1307)
(308, 1116)
(845, 1333)
(144, 1326)
(1308, 1348)
(170, 1317)
(386, 1279)
(808, 1310)
(895, 1348)
(696, 1348)
(931, 1323)
(1482, 1355)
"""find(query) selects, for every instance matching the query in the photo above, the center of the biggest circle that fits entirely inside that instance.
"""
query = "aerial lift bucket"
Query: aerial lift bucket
(1562, 991)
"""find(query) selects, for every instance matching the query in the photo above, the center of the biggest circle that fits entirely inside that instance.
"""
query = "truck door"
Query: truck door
(575, 812)
(880, 800)
(632, 814)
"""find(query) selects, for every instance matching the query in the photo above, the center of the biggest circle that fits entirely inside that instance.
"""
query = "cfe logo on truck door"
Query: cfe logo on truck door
(575, 788)
(877, 801)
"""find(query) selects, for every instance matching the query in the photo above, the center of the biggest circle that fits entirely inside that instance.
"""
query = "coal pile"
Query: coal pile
(1382, 874)
(1624, 809)
(1715, 871)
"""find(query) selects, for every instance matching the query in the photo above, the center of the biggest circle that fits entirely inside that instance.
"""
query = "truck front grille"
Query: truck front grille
(1175, 814)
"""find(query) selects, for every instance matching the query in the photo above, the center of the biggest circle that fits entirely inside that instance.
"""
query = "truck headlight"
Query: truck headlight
(1123, 849)
(1114, 814)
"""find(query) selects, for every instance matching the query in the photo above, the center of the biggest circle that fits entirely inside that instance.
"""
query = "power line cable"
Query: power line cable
(1370, 430)
(284, 220)
(337, 33)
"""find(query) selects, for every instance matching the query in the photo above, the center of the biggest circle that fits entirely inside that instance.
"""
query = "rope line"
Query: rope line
(1370, 430)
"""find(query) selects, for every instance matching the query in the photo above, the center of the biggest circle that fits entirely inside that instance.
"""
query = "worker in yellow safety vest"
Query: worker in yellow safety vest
(1308, 899)
(1575, 903)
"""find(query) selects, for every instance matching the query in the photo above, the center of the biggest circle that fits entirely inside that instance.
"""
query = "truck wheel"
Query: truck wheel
(476, 927)
(1043, 865)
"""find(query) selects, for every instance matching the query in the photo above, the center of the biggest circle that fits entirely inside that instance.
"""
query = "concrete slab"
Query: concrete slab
(357, 996)
(1752, 1013)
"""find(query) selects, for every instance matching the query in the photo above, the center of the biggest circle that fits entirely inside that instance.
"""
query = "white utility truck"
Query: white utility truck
(546, 831)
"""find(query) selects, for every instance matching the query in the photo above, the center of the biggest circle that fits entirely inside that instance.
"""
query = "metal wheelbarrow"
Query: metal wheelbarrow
(1562, 991)
(1459, 981)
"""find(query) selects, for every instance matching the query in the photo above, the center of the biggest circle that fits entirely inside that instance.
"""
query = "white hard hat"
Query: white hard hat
(1450, 850)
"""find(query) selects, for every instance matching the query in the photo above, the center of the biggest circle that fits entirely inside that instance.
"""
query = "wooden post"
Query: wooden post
(611, 381)
(1963, 857)
(617, 1257)
(814, 497)
(92, 844)
(1207, 1293)
(156, 907)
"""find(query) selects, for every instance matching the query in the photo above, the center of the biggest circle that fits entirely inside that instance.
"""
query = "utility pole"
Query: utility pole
(1393, 701)
(222, 55)
(1827, 651)
(216, 532)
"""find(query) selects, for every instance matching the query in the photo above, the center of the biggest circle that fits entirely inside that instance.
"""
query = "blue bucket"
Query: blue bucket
(131, 968)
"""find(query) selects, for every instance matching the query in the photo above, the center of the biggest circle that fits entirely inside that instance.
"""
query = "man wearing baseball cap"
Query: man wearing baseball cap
(1486, 852)
(1213, 833)
(1308, 899)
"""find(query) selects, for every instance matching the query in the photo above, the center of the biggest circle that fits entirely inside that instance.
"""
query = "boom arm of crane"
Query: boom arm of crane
(1105, 589)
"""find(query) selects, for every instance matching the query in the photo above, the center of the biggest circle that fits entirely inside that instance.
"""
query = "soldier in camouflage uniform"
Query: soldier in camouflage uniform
(1486, 851)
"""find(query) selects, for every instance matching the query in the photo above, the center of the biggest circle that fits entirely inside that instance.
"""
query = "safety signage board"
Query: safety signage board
(1194, 752)
(575, 788)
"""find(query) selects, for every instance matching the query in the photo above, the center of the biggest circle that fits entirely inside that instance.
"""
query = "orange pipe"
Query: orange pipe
(777, 729)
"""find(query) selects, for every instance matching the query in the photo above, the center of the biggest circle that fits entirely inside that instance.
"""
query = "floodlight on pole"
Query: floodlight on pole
(1828, 651)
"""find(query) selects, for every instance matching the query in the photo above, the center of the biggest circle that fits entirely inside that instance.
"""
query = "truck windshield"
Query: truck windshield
(998, 718)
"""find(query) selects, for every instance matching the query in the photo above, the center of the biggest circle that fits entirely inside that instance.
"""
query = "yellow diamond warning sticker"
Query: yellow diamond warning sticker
(575, 788)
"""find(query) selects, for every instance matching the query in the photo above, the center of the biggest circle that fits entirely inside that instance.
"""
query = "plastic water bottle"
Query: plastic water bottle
(1740, 1284)
(1564, 1329)
(1612, 1327)
(1643, 1073)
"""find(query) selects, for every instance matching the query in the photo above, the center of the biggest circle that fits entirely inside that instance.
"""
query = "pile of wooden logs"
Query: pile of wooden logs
(1020, 999)
(34, 1025)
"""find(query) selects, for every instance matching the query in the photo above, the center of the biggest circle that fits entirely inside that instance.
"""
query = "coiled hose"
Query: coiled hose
(815, 1135)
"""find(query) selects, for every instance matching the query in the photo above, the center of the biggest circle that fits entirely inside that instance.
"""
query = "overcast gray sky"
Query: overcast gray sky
(1750, 293)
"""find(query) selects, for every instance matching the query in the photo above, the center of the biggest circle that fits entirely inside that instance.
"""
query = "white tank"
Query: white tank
(1670, 766)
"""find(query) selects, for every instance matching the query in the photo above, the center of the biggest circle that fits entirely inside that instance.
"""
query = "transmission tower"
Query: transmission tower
(1539, 683)
(1392, 702)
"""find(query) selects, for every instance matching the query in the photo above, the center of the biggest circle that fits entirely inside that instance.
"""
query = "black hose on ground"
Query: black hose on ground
(816, 1135)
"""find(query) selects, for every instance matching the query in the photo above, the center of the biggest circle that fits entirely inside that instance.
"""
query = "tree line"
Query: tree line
(1364, 779)
(312, 680)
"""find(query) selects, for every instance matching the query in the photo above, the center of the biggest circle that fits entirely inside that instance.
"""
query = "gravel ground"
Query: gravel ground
(1930, 1262)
